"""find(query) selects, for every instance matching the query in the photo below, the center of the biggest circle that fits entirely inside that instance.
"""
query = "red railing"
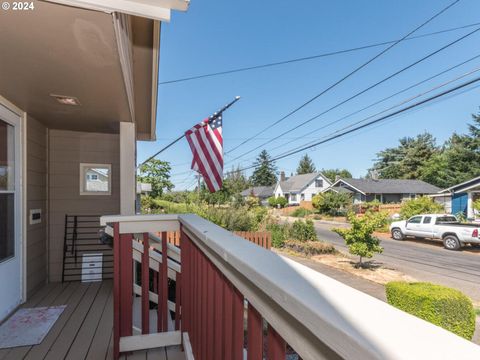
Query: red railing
(213, 313)
(155, 268)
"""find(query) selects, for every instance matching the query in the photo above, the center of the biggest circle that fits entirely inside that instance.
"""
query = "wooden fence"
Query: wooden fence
(261, 238)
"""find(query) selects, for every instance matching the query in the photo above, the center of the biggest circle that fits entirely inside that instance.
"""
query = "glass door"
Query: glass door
(10, 213)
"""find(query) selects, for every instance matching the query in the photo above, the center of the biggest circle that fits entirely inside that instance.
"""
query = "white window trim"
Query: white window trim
(83, 166)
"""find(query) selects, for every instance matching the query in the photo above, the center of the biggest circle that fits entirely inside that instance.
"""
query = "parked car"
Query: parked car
(437, 226)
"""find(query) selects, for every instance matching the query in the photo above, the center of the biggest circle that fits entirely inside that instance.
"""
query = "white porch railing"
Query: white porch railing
(320, 318)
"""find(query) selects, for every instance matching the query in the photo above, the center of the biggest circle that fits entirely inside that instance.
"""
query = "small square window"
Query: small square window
(95, 179)
(319, 183)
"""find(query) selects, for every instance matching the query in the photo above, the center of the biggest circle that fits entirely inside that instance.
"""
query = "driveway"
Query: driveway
(423, 261)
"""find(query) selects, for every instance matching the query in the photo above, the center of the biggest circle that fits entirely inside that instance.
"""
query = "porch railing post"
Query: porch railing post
(116, 291)
(126, 284)
(145, 285)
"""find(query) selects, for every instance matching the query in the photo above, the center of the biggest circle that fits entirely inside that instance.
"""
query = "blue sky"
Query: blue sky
(220, 35)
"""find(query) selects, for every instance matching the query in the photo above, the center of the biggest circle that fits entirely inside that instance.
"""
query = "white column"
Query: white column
(470, 213)
(127, 168)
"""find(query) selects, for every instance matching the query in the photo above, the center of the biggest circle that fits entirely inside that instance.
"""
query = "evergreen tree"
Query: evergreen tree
(407, 160)
(306, 165)
(265, 172)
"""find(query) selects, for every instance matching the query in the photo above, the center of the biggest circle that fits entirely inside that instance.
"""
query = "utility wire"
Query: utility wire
(311, 57)
(377, 102)
(361, 92)
(403, 102)
(346, 76)
(395, 113)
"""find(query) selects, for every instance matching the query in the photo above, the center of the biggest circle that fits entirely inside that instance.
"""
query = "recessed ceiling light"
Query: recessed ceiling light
(66, 100)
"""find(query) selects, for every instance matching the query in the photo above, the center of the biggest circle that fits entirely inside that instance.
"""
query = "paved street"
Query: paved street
(424, 261)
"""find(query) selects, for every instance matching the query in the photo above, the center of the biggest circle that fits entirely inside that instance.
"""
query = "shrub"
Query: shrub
(281, 201)
(303, 230)
(331, 203)
(272, 201)
(280, 234)
(300, 212)
(421, 205)
(440, 305)
(310, 248)
(359, 237)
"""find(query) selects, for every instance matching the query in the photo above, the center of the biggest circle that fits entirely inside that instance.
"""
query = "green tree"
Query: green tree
(331, 202)
(306, 165)
(156, 173)
(332, 174)
(359, 237)
(407, 160)
(265, 172)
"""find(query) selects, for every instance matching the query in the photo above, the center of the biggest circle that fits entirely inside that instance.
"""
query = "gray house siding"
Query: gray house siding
(67, 149)
(36, 235)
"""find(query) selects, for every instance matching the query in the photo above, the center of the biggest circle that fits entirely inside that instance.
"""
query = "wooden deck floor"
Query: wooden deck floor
(84, 330)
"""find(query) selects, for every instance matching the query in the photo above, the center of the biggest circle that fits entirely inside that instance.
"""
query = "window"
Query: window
(95, 179)
(427, 219)
(293, 197)
(319, 183)
(446, 220)
(302, 197)
(7, 191)
(415, 220)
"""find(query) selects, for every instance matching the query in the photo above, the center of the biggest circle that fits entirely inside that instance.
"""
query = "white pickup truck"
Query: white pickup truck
(437, 226)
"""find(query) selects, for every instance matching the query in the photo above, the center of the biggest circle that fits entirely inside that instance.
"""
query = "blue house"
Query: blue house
(460, 198)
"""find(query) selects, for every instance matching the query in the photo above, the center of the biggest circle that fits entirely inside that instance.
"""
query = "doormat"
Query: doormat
(29, 326)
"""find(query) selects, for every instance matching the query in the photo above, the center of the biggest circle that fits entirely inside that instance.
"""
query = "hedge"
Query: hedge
(310, 248)
(440, 305)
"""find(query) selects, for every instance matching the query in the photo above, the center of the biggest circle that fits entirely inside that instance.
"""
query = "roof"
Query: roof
(258, 191)
(389, 186)
(298, 182)
(464, 186)
(339, 189)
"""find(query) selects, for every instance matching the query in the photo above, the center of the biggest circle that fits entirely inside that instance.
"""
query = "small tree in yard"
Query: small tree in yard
(359, 237)
(331, 202)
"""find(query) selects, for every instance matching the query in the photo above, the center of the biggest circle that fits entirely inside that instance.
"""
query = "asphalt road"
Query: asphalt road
(425, 261)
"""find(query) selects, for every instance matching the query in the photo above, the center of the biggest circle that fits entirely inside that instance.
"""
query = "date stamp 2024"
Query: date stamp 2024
(18, 5)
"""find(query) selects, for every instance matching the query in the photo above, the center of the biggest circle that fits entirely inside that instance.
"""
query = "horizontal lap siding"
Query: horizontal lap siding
(67, 149)
(36, 199)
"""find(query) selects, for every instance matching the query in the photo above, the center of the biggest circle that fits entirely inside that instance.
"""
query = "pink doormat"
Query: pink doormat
(28, 326)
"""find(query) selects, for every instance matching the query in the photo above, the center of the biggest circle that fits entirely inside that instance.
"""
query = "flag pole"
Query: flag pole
(183, 135)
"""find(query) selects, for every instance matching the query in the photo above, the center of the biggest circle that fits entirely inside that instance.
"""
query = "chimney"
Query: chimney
(282, 176)
(337, 177)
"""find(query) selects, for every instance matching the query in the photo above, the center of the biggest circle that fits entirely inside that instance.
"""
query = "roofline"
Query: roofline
(155, 64)
(346, 182)
(459, 185)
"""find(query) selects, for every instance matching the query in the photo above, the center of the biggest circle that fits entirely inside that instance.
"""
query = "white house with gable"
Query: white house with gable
(301, 187)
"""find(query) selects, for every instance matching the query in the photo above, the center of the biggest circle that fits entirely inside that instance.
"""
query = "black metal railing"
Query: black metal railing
(85, 256)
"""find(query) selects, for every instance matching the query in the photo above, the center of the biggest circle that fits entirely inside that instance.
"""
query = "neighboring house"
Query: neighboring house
(301, 187)
(459, 198)
(261, 192)
(383, 190)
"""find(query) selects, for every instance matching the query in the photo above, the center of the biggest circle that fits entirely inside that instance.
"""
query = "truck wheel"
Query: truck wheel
(451, 242)
(397, 234)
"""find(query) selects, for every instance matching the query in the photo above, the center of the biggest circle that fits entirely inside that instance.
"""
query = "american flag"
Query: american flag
(206, 143)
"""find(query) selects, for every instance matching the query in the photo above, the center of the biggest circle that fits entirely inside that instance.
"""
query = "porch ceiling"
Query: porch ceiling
(62, 50)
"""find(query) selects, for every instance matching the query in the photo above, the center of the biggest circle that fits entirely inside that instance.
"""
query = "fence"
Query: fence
(261, 238)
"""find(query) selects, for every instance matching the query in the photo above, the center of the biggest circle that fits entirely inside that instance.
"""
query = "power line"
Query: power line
(346, 76)
(377, 102)
(361, 92)
(436, 87)
(311, 57)
(395, 113)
